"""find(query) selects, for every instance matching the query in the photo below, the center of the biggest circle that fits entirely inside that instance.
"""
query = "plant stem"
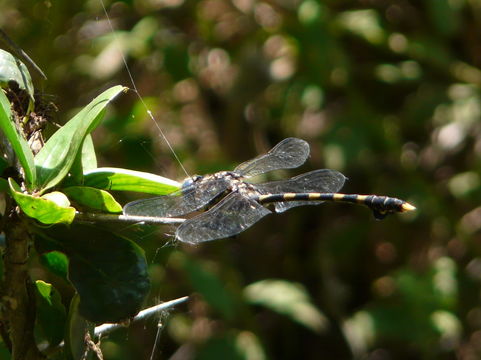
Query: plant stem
(18, 295)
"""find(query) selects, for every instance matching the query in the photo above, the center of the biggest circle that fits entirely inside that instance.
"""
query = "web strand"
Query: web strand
(134, 87)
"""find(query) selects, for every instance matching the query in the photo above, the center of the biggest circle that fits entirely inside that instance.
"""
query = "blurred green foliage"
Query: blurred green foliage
(388, 92)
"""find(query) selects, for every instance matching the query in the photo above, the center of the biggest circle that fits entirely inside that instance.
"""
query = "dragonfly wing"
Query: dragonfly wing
(234, 214)
(317, 181)
(289, 153)
(179, 203)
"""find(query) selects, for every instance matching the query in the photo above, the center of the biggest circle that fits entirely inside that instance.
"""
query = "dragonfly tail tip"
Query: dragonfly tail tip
(407, 207)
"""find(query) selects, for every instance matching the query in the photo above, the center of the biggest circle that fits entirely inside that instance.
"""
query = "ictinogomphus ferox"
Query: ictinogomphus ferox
(242, 202)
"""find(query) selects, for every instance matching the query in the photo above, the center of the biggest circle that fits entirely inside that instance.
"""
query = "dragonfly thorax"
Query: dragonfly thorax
(227, 176)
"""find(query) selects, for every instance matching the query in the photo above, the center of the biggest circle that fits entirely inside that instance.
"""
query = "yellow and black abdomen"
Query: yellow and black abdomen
(380, 205)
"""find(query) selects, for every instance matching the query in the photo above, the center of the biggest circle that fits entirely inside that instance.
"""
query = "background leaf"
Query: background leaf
(220, 348)
(289, 299)
(210, 287)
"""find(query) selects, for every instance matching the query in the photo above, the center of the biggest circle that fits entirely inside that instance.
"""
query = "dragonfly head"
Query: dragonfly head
(191, 181)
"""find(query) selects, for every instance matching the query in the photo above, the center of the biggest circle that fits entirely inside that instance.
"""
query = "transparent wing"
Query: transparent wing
(319, 181)
(179, 203)
(234, 214)
(289, 153)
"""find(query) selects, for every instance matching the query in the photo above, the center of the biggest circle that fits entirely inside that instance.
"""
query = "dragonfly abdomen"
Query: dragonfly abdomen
(380, 205)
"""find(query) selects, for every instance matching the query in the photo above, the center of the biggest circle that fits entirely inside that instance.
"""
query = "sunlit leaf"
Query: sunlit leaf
(17, 141)
(93, 198)
(287, 298)
(129, 180)
(85, 160)
(12, 69)
(89, 159)
(108, 271)
(51, 315)
(58, 198)
(58, 155)
(52, 209)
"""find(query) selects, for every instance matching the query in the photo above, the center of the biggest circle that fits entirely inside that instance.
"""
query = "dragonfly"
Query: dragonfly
(234, 204)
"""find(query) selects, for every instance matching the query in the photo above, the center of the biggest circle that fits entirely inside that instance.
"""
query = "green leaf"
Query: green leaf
(287, 298)
(17, 141)
(49, 209)
(89, 159)
(84, 161)
(12, 69)
(51, 315)
(58, 198)
(93, 198)
(56, 262)
(129, 180)
(108, 271)
(56, 158)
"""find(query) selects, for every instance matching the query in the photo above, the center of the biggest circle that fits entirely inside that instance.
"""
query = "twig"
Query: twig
(108, 328)
(146, 220)
(104, 329)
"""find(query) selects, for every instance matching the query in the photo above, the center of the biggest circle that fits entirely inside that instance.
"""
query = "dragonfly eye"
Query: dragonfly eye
(190, 181)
